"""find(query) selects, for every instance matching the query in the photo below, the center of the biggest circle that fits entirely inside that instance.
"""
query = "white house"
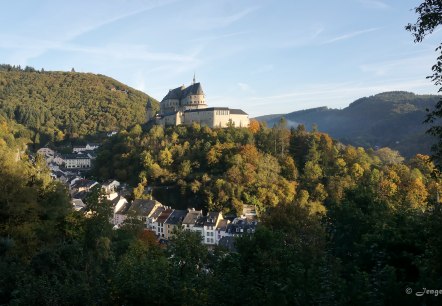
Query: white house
(82, 185)
(78, 204)
(146, 210)
(110, 186)
(120, 212)
(241, 226)
(209, 228)
(221, 230)
(158, 225)
(151, 220)
(191, 218)
(87, 147)
(46, 152)
(76, 161)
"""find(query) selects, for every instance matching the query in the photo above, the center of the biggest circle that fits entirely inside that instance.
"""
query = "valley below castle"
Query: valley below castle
(175, 196)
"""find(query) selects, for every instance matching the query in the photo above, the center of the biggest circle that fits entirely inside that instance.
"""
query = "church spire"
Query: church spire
(193, 79)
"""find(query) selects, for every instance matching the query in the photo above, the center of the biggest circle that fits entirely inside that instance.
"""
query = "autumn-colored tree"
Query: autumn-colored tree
(254, 126)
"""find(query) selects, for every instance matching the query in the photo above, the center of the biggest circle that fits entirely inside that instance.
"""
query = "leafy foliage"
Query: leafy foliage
(429, 18)
(54, 106)
(389, 119)
(339, 225)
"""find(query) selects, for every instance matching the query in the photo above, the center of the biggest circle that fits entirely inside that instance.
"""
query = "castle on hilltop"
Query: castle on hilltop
(186, 105)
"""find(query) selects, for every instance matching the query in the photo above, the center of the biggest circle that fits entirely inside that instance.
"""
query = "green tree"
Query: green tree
(142, 276)
(188, 268)
(429, 17)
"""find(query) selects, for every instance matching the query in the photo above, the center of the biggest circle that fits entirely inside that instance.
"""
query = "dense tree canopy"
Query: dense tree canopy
(429, 17)
(389, 119)
(54, 106)
(339, 225)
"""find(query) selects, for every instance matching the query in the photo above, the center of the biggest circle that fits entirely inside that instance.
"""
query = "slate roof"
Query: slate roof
(157, 212)
(123, 209)
(241, 226)
(200, 221)
(228, 243)
(208, 109)
(74, 156)
(237, 112)
(78, 204)
(117, 199)
(168, 114)
(176, 217)
(58, 173)
(192, 216)
(144, 207)
(92, 154)
(222, 225)
(84, 183)
(108, 182)
(164, 215)
(211, 219)
(80, 195)
(181, 92)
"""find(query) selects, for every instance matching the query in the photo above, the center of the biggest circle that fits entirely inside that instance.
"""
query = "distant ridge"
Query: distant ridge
(389, 119)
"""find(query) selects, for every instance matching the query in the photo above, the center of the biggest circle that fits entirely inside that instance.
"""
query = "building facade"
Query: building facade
(187, 105)
(76, 161)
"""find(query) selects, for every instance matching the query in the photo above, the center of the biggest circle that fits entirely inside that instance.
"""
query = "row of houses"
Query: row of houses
(79, 188)
(160, 219)
(80, 158)
(163, 221)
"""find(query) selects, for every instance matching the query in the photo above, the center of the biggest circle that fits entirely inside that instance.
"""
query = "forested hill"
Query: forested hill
(63, 105)
(390, 119)
(338, 225)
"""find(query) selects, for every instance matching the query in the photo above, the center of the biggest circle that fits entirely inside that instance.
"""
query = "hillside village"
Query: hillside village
(322, 206)
(162, 220)
(109, 196)
(182, 105)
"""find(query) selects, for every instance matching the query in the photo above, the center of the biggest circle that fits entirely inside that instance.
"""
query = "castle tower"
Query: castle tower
(150, 112)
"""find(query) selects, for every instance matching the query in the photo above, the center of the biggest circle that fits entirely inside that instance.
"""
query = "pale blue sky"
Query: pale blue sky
(259, 55)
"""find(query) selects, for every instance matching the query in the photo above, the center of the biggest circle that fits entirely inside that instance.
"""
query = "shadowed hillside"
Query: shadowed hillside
(390, 119)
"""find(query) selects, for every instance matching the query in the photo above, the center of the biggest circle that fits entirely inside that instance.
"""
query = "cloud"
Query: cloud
(321, 92)
(29, 48)
(401, 64)
(32, 48)
(333, 95)
(374, 4)
(245, 87)
(228, 20)
(317, 32)
(301, 38)
(218, 37)
(263, 69)
(349, 35)
(129, 52)
(207, 22)
(96, 23)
